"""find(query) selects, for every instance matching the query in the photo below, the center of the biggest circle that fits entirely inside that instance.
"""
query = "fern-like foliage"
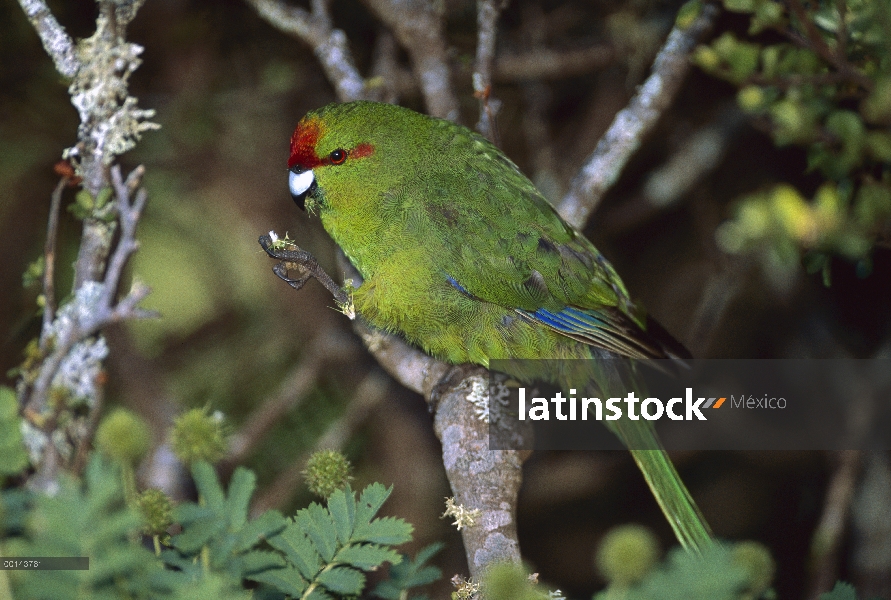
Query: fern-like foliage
(327, 550)
(220, 554)
(408, 574)
(217, 532)
(84, 518)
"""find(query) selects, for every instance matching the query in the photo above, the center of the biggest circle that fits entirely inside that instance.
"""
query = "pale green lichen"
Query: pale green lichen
(110, 121)
(464, 517)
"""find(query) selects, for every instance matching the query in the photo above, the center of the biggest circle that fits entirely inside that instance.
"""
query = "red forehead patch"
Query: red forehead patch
(303, 144)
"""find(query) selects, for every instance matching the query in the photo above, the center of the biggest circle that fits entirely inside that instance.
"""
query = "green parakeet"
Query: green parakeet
(462, 256)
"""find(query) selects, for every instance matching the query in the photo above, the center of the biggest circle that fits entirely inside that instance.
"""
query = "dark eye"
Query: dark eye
(337, 157)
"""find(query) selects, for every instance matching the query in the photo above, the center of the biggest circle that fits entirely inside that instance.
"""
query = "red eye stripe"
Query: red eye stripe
(362, 150)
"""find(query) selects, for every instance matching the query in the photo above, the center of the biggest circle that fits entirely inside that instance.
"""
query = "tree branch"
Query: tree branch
(94, 305)
(826, 542)
(329, 44)
(487, 16)
(632, 124)
(290, 394)
(56, 41)
(418, 25)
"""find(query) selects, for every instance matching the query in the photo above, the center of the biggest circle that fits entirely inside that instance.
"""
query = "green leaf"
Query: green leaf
(343, 580)
(841, 591)
(370, 501)
(198, 534)
(367, 556)
(208, 485)
(388, 530)
(319, 594)
(103, 197)
(316, 522)
(287, 580)
(409, 574)
(714, 575)
(876, 107)
(257, 561)
(268, 524)
(241, 488)
(298, 550)
(740, 6)
(87, 517)
(688, 13)
(13, 457)
(342, 505)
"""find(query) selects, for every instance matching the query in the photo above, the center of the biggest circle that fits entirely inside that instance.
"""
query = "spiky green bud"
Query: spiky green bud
(157, 512)
(199, 435)
(326, 472)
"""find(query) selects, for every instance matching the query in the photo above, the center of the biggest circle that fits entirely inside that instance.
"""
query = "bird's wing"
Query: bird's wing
(518, 253)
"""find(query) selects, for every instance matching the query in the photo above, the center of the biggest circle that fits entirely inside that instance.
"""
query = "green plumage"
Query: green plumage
(462, 256)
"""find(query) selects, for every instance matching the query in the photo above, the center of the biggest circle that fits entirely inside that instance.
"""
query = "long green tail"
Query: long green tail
(614, 378)
(674, 499)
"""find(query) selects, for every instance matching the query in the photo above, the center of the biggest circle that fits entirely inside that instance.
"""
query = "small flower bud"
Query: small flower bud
(326, 472)
(755, 558)
(157, 512)
(123, 436)
(626, 554)
(198, 435)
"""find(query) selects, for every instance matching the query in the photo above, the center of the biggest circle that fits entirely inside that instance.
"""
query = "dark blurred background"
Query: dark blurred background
(228, 90)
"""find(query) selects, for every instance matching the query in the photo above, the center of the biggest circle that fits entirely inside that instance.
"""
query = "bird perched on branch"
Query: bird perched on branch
(462, 256)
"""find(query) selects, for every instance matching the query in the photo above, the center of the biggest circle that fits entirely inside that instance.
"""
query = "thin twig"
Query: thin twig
(419, 27)
(487, 17)
(329, 44)
(814, 41)
(842, 36)
(129, 214)
(291, 393)
(827, 538)
(632, 124)
(385, 69)
(49, 259)
(56, 41)
(105, 311)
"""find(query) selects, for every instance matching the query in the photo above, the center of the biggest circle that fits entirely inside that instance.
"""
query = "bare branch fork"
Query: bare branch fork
(71, 351)
(632, 124)
(98, 307)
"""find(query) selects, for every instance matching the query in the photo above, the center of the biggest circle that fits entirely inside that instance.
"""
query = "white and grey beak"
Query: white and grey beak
(300, 182)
